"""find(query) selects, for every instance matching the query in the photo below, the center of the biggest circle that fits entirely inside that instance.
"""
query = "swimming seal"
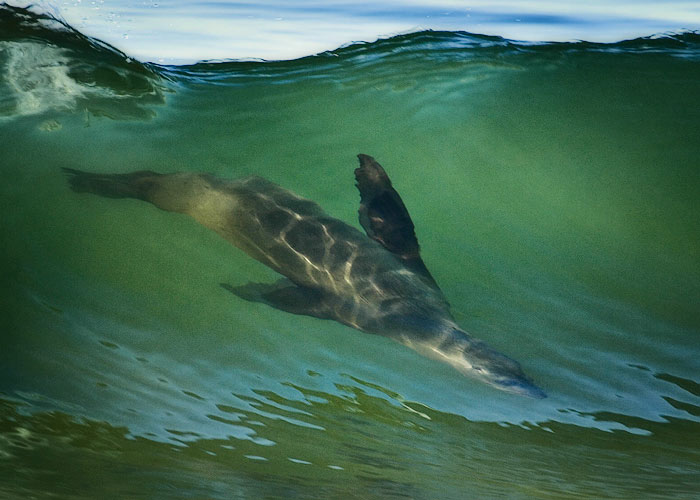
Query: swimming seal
(374, 282)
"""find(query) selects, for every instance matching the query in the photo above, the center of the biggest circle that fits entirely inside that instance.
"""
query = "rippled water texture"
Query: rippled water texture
(554, 189)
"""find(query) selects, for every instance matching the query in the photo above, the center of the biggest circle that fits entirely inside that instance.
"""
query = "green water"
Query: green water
(555, 192)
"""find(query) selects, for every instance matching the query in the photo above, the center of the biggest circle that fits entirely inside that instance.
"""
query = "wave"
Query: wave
(49, 66)
(428, 47)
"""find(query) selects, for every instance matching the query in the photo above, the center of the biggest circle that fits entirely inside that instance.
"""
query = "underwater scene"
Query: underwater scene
(555, 193)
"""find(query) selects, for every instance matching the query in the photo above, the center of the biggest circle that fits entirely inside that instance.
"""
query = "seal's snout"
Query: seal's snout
(497, 369)
(523, 387)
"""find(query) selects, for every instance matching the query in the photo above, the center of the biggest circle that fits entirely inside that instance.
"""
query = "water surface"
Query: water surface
(187, 31)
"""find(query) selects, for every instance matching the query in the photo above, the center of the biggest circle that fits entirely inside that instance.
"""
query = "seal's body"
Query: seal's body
(376, 282)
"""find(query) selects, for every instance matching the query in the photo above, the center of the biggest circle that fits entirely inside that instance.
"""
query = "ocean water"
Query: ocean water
(555, 189)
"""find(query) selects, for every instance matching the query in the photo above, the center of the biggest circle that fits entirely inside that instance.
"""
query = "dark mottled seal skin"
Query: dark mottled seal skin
(375, 282)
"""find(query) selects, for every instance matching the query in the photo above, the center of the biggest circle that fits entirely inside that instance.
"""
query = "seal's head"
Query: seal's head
(497, 369)
(476, 359)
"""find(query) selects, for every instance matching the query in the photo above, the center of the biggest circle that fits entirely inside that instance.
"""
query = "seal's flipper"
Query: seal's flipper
(384, 216)
(183, 192)
(132, 185)
(286, 296)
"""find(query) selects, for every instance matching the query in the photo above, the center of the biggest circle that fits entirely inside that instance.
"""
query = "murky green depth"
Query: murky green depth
(555, 191)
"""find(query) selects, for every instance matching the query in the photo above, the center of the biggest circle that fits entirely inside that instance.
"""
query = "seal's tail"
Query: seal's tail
(132, 185)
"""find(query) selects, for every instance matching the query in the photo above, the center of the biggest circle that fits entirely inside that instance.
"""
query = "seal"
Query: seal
(375, 282)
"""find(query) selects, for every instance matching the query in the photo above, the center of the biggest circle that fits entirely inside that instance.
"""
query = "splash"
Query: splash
(47, 66)
(37, 79)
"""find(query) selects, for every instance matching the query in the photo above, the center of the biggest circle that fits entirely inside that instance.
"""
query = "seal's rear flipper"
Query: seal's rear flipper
(385, 218)
(132, 185)
(286, 296)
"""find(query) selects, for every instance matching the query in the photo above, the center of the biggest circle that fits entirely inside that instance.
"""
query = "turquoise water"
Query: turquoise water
(554, 188)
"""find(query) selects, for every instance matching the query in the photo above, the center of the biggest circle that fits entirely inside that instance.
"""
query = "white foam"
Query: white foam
(37, 76)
